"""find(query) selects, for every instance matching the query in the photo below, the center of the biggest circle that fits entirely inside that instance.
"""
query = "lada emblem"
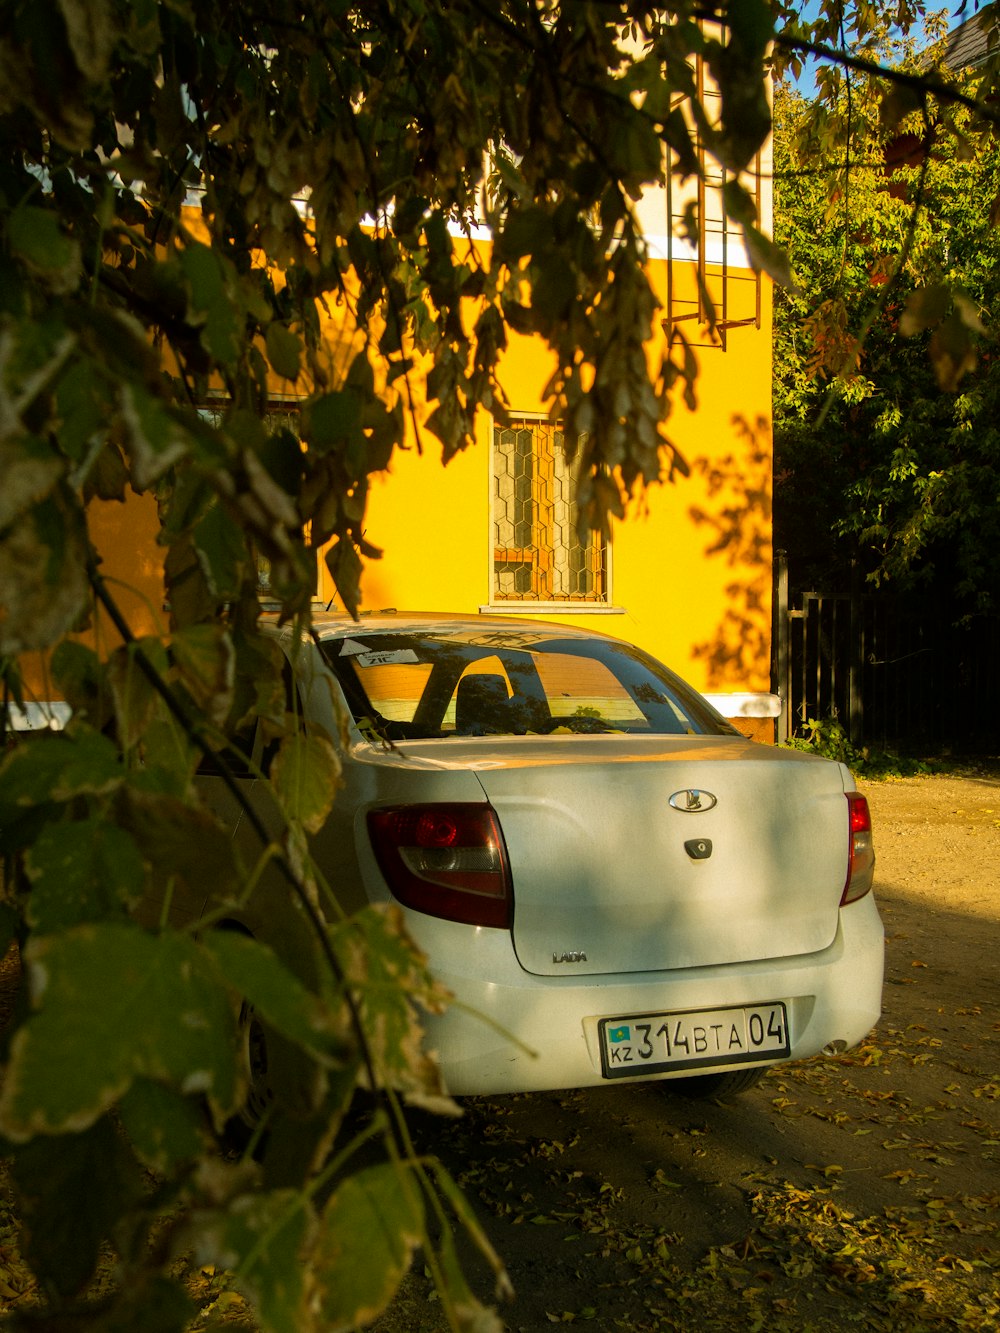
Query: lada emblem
(692, 801)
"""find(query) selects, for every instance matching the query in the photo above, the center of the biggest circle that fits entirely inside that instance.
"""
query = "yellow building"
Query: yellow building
(687, 574)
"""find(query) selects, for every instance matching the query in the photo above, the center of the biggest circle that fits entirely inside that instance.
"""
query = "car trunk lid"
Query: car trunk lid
(643, 854)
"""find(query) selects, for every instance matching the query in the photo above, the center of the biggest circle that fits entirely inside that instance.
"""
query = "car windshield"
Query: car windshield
(430, 684)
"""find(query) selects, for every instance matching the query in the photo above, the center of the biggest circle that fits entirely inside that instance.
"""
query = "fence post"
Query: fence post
(856, 704)
(781, 663)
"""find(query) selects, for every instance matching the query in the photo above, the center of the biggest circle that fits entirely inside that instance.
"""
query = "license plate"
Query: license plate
(653, 1043)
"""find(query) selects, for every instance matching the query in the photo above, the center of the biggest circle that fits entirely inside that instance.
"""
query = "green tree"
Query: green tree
(886, 451)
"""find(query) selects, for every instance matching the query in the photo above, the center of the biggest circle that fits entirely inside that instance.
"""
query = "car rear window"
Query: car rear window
(584, 687)
(434, 685)
(394, 690)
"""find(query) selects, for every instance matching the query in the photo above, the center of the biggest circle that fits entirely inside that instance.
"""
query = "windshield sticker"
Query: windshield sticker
(389, 657)
(351, 648)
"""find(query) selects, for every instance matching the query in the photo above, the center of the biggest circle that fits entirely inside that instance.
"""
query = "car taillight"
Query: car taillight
(861, 856)
(446, 860)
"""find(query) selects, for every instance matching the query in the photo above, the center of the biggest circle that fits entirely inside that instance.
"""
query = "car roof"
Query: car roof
(332, 624)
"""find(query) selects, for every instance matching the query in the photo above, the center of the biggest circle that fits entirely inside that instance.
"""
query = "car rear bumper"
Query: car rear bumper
(524, 1033)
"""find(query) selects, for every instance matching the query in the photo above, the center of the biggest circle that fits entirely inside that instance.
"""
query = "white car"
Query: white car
(612, 881)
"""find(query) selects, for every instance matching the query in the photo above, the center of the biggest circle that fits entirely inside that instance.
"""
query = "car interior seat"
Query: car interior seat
(483, 706)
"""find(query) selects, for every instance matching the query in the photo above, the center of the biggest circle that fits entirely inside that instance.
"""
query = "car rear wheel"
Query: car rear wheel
(242, 1127)
(726, 1084)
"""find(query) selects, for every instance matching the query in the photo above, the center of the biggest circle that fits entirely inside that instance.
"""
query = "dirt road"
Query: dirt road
(859, 1193)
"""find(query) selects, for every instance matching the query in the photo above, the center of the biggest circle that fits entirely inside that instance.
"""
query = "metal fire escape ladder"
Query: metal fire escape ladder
(733, 292)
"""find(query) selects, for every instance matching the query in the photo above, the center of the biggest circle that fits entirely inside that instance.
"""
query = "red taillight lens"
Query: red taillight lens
(446, 860)
(861, 854)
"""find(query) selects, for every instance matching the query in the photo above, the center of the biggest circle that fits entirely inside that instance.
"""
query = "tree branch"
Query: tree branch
(920, 83)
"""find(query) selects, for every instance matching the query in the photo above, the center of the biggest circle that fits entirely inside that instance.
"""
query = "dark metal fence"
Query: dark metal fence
(896, 672)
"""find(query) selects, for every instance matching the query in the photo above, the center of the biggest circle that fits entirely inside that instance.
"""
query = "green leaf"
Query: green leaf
(952, 352)
(638, 155)
(81, 397)
(43, 574)
(170, 755)
(333, 420)
(306, 775)
(409, 215)
(769, 258)
(92, 30)
(509, 173)
(77, 669)
(113, 1003)
(31, 470)
(265, 1240)
(738, 68)
(164, 1127)
(898, 103)
(281, 454)
(470, 1224)
(390, 979)
(36, 236)
(221, 545)
(187, 589)
(554, 290)
(969, 313)
(204, 661)
(72, 1190)
(81, 681)
(284, 351)
(86, 870)
(255, 973)
(57, 767)
(751, 29)
(135, 697)
(157, 439)
(739, 203)
(190, 498)
(361, 377)
(528, 231)
(178, 839)
(370, 1229)
(925, 307)
(259, 683)
(678, 137)
(210, 306)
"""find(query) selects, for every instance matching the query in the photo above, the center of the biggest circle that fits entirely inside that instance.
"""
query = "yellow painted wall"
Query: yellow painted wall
(132, 564)
(690, 566)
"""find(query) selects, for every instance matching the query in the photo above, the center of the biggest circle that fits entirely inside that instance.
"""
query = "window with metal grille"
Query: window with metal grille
(537, 552)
